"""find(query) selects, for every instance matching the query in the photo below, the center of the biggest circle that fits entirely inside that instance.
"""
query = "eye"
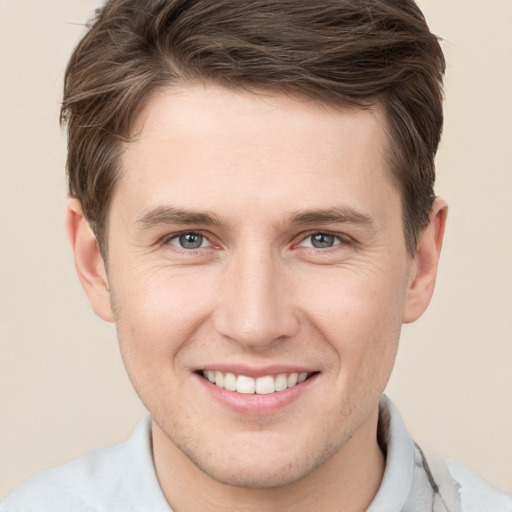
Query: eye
(321, 241)
(190, 240)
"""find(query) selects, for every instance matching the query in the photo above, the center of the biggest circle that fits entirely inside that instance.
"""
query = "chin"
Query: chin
(271, 474)
(256, 466)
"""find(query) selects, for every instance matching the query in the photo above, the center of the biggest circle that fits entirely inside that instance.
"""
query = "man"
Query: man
(252, 204)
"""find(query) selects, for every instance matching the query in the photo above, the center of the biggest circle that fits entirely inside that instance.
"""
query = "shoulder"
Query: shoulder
(120, 478)
(426, 481)
(476, 494)
(78, 485)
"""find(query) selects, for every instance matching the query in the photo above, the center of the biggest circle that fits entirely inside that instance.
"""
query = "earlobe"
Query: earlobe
(88, 261)
(423, 278)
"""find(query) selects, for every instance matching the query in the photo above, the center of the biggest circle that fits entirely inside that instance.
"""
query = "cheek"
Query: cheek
(359, 314)
(156, 320)
(157, 314)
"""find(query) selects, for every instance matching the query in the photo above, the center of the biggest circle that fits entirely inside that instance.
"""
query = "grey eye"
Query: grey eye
(322, 240)
(190, 240)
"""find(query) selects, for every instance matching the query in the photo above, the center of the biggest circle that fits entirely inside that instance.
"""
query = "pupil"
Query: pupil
(321, 240)
(191, 240)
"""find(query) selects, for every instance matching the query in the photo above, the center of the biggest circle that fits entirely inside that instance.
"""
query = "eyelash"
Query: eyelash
(340, 239)
(167, 240)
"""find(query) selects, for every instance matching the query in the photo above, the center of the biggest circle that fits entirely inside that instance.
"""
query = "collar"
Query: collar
(398, 448)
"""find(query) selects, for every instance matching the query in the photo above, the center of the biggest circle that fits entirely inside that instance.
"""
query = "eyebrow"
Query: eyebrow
(165, 215)
(171, 215)
(342, 214)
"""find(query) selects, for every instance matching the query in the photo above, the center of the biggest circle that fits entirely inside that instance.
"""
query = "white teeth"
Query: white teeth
(219, 379)
(292, 379)
(262, 385)
(265, 385)
(245, 384)
(281, 382)
(302, 377)
(230, 382)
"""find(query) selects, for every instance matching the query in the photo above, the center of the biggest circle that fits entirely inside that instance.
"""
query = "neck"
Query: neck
(347, 482)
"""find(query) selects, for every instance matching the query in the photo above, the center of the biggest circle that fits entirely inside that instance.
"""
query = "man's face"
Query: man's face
(254, 238)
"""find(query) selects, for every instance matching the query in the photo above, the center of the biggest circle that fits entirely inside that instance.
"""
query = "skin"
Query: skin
(256, 175)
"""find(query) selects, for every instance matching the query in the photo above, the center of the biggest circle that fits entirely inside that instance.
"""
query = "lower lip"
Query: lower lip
(254, 404)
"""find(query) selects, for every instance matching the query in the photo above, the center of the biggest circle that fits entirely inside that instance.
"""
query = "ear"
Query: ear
(424, 269)
(88, 261)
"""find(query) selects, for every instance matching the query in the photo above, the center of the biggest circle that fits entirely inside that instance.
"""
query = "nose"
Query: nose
(256, 301)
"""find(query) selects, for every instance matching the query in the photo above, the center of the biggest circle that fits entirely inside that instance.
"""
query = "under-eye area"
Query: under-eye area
(263, 385)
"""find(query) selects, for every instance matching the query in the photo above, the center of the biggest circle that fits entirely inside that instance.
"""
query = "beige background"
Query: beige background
(62, 386)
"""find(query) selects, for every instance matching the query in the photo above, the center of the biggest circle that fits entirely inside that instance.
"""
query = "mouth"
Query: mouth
(263, 385)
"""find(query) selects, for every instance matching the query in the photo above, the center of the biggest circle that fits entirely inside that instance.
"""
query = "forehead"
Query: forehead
(205, 109)
(200, 143)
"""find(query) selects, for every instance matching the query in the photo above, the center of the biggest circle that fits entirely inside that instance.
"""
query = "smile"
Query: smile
(263, 385)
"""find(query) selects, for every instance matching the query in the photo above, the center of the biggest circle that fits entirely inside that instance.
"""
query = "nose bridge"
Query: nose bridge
(256, 304)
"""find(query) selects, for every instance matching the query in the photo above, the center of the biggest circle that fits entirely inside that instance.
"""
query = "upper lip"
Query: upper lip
(255, 372)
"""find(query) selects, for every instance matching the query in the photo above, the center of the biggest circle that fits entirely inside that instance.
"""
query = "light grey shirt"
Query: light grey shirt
(122, 478)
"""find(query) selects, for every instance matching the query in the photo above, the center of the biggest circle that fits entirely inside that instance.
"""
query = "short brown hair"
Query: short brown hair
(347, 52)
